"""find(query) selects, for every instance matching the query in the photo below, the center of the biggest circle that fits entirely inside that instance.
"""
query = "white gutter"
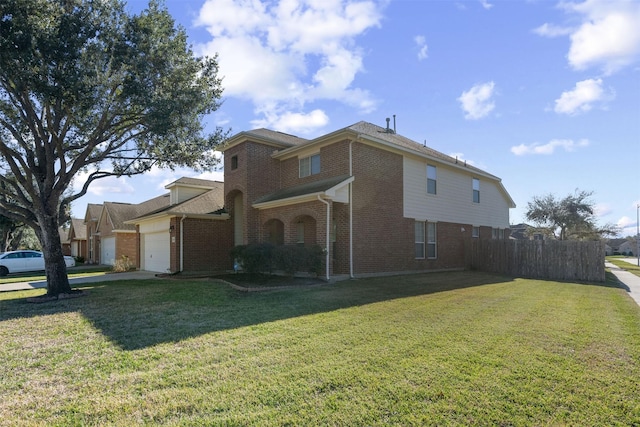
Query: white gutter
(184, 216)
(328, 235)
(351, 210)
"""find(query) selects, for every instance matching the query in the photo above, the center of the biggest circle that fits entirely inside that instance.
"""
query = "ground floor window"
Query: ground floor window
(431, 240)
(419, 238)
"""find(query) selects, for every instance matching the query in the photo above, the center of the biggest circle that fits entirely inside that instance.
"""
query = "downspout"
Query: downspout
(351, 210)
(328, 235)
(184, 216)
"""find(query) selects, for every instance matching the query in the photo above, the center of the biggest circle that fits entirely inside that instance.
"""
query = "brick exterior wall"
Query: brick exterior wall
(93, 244)
(207, 245)
(127, 245)
(383, 240)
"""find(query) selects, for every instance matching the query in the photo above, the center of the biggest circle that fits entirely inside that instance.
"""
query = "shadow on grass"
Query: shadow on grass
(141, 313)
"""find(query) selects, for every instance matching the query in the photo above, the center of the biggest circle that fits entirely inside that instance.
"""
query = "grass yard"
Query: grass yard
(462, 348)
(73, 272)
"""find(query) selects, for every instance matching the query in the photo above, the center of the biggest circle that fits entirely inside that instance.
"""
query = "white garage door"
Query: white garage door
(155, 251)
(108, 250)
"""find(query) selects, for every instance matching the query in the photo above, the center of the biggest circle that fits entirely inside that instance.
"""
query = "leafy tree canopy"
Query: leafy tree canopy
(87, 87)
(569, 218)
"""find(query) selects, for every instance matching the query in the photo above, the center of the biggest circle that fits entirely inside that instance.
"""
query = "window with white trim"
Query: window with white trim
(475, 232)
(419, 237)
(494, 233)
(431, 240)
(431, 179)
(310, 165)
(476, 190)
(501, 234)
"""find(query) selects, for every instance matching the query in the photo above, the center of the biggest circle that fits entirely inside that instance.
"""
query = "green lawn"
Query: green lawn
(461, 348)
(36, 276)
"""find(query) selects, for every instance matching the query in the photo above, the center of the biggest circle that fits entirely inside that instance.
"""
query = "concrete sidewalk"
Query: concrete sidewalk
(630, 280)
(76, 281)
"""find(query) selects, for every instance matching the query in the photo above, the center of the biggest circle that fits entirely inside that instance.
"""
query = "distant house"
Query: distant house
(612, 246)
(629, 247)
(377, 202)
(91, 218)
(525, 232)
(78, 238)
(64, 240)
(117, 237)
(192, 232)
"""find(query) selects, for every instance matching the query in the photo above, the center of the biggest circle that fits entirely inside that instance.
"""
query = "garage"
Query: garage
(108, 250)
(155, 252)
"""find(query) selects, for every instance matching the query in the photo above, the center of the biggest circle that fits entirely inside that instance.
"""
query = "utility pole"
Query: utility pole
(638, 233)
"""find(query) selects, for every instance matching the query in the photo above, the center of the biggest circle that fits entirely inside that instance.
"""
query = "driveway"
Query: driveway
(130, 275)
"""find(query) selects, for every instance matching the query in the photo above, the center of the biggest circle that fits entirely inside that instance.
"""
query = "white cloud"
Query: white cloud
(550, 30)
(568, 145)
(581, 98)
(602, 209)
(102, 186)
(477, 102)
(607, 36)
(460, 157)
(297, 123)
(486, 4)
(283, 54)
(423, 49)
(626, 222)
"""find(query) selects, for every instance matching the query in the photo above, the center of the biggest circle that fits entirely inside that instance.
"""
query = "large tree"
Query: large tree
(87, 87)
(569, 218)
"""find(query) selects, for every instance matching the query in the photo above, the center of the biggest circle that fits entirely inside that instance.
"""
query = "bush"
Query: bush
(123, 264)
(265, 257)
(79, 260)
(254, 258)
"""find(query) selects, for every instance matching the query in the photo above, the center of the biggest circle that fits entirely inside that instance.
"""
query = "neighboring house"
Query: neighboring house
(64, 240)
(191, 233)
(78, 238)
(91, 217)
(524, 232)
(612, 247)
(117, 238)
(629, 247)
(377, 202)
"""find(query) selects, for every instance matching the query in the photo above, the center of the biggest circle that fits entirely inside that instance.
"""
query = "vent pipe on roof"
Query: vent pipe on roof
(389, 130)
(394, 123)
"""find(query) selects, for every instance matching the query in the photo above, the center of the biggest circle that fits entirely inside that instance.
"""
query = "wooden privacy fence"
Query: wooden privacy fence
(539, 259)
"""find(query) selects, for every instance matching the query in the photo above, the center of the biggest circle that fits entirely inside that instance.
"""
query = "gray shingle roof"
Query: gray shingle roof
(381, 133)
(78, 228)
(209, 202)
(304, 189)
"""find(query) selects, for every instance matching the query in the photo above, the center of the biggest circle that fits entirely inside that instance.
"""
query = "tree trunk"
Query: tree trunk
(54, 265)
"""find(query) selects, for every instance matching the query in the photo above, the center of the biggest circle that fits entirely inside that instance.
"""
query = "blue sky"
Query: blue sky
(544, 94)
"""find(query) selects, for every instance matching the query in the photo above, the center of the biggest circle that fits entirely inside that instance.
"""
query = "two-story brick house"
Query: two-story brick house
(376, 201)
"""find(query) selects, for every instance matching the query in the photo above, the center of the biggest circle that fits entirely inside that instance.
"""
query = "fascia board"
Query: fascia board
(288, 201)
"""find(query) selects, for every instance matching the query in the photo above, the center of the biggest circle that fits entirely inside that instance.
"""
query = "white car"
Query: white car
(19, 261)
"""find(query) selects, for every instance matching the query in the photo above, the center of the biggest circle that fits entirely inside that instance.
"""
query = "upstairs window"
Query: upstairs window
(431, 179)
(310, 165)
(234, 162)
(476, 190)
